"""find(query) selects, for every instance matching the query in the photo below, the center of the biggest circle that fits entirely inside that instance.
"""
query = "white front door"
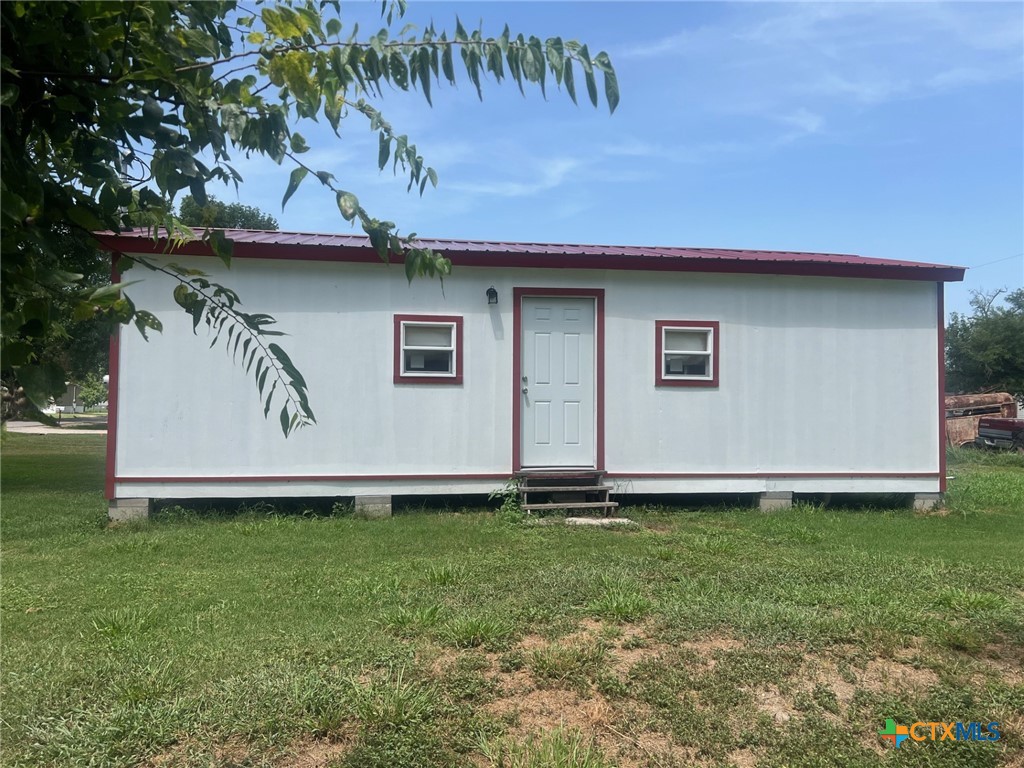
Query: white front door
(557, 389)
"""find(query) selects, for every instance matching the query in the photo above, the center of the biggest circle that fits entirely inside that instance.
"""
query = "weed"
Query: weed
(560, 748)
(575, 664)
(475, 631)
(122, 625)
(620, 603)
(445, 575)
(511, 509)
(410, 621)
(393, 701)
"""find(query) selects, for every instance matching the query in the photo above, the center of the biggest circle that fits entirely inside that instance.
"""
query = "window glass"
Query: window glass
(686, 365)
(428, 361)
(428, 335)
(686, 341)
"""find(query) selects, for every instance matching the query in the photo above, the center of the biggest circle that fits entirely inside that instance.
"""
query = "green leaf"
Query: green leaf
(41, 382)
(422, 68)
(348, 204)
(284, 419)
(84, 218)
(591, 86)
(570, 85)
(294, 180)
(556, 56)
(222, 247)
(16, 353)
(182, 295)
(447, 62)
(611, 82)
(270, 397)
(399, 71)
(383, 151)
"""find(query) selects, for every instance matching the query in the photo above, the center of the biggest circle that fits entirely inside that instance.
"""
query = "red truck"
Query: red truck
(996, 432)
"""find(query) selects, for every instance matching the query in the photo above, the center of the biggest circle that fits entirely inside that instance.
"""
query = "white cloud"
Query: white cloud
(804, 121)
(546, 175)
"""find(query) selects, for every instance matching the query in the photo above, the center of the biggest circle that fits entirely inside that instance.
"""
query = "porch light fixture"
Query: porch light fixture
(492, 295)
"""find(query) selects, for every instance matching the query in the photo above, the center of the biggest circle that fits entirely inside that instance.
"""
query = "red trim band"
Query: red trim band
(113, 383)
(941, 333)
(305, 478)
(504, 476)
(766, 475)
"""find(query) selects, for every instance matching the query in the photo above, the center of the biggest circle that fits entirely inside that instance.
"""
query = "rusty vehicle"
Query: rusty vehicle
(999, 433)
(964, 412)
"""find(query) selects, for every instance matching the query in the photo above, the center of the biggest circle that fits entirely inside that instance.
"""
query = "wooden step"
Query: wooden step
(581, 474)
(574, 505)
(560, 488)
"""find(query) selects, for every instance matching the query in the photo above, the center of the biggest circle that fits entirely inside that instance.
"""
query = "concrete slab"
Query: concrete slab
(926, 502)
(770, 501)
(372, 507)
(601, 522)
(124, 510)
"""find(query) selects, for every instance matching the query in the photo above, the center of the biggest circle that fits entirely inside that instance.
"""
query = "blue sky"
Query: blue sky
(893, 130)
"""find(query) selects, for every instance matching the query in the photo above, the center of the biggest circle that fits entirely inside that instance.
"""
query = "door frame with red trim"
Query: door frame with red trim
(520, 293)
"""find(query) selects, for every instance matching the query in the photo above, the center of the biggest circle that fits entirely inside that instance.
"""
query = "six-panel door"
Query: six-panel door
(557, 388)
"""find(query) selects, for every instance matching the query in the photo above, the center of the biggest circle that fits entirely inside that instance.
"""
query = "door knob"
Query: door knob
(526, 390)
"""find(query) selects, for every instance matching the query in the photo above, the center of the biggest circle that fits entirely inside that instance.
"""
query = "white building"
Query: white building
(669, 370)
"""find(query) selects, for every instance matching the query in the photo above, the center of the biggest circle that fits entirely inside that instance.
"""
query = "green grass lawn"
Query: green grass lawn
(710, 637)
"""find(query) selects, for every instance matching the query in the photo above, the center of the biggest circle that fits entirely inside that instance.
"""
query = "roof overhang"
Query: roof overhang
(290, 246)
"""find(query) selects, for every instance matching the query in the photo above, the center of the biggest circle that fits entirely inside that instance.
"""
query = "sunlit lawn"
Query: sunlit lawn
(701, 637)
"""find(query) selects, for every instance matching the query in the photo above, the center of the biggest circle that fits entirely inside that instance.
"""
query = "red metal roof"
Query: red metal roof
(303, 246)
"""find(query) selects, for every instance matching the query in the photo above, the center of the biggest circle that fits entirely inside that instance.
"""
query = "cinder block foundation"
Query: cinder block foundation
(123, 510)
(769, 501)
(373, 507)
(925, 502)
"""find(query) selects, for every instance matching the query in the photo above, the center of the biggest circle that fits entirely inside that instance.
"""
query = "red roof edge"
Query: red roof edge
(255, 244)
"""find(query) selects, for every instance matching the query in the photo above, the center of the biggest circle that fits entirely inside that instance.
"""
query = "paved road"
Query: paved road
(80, 426)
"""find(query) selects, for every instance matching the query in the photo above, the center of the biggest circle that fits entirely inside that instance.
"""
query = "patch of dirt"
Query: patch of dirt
(774, 704)
(531, 643)
(316, 754)
(444, 659)
(531, 711)
(1005, 660)
(710, 644)
(743, 758)
(707, 647)
(184, 752)
(883, 675)
(541, 710)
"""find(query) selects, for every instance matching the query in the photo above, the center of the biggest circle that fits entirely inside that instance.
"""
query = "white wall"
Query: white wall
(817, 375)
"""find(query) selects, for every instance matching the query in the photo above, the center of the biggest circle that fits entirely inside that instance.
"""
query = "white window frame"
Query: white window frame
(403, 375)
(708, 327)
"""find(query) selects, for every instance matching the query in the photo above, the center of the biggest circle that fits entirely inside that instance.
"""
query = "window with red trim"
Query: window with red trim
(686, 353)
(428, 349)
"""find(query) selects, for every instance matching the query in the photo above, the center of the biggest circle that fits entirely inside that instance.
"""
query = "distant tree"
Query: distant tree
(985, 350)
(226, 215)
(70, 340)
(92, 391)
